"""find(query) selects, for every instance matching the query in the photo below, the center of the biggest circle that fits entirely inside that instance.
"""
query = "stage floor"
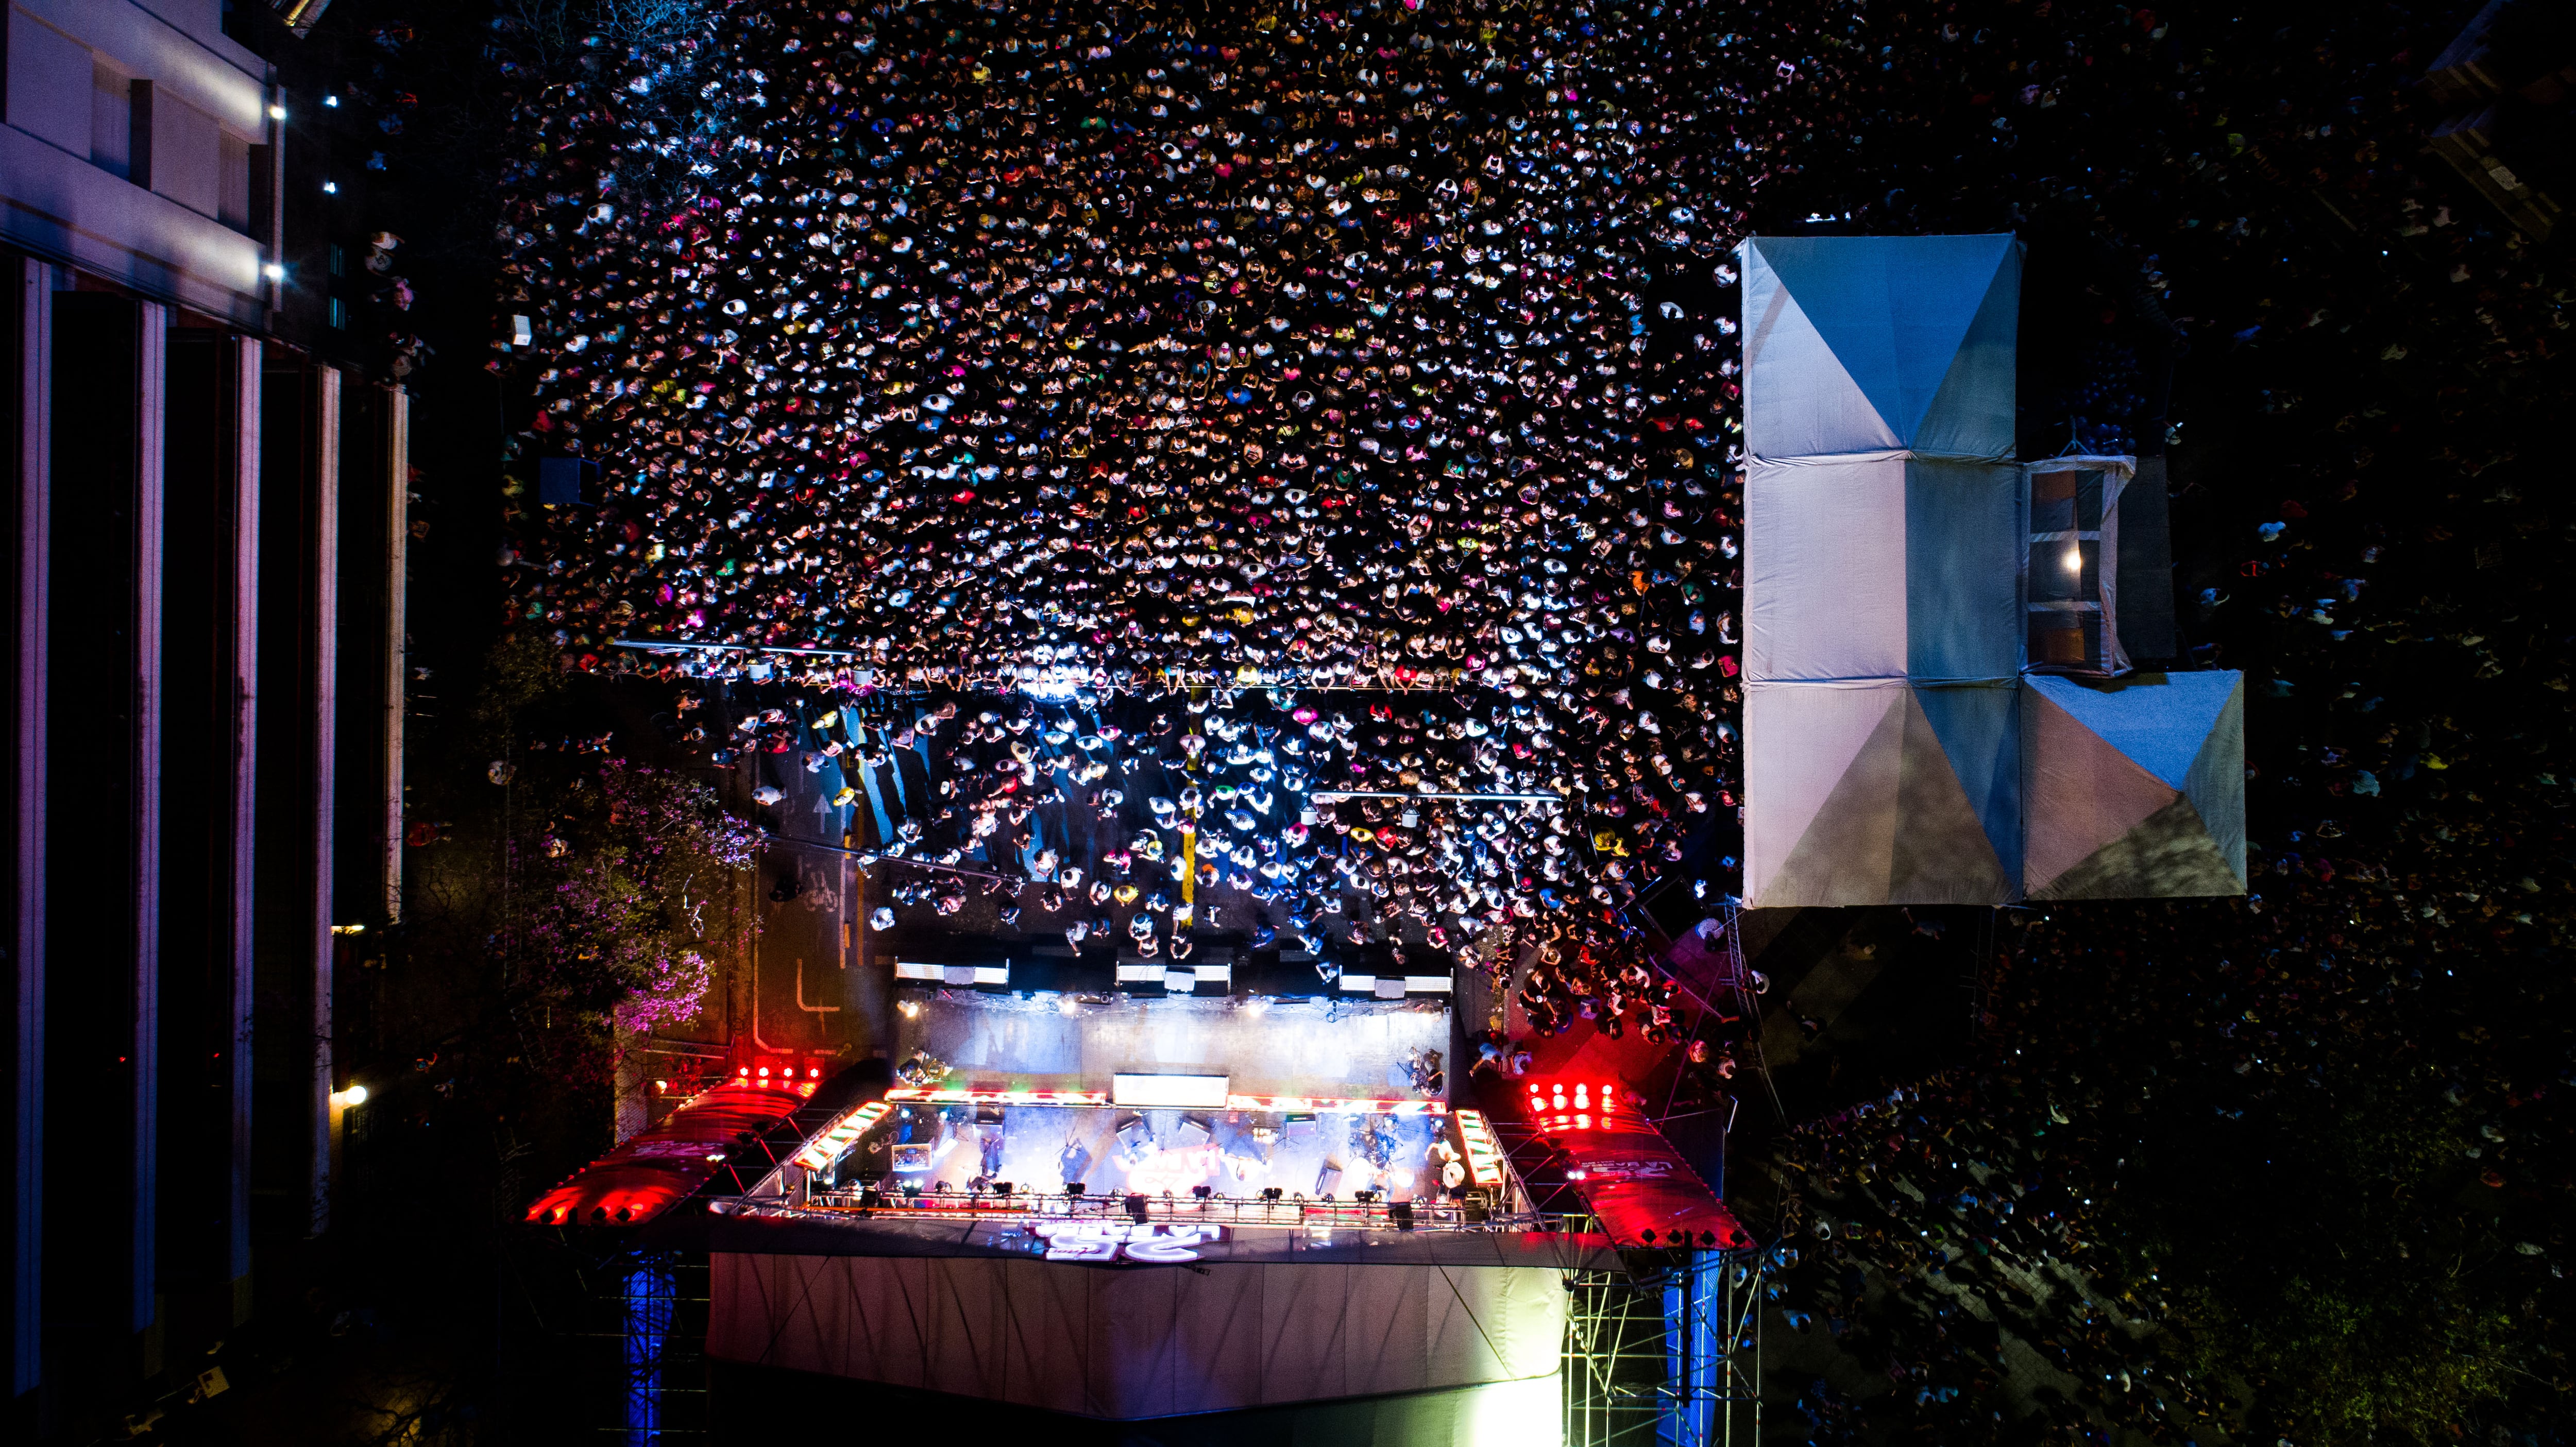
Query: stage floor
(1112, 1151)
(1318, 1048)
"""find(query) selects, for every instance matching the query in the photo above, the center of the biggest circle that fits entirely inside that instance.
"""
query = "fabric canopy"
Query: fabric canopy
(2135, 787)
(1898, 750)
(1883, 567)
(1873, 343)
(1882, 792)
(1144, 1341)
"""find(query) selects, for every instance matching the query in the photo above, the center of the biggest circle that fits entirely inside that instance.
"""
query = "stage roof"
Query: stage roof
(642, 1178)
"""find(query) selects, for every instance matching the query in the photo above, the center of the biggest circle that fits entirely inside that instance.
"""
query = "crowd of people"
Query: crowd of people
(1366, 350)
(2321, 1154)
(1362, 378)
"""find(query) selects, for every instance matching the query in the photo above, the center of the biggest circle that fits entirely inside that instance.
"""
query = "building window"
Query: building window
(339, 261)
(339, 310)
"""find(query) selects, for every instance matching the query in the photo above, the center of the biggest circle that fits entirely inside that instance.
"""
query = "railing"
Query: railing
(1286, 1213)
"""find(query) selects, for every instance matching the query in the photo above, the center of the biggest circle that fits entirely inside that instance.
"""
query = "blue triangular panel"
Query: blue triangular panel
(1973, 413)
(2157, 719)
(1980, 730)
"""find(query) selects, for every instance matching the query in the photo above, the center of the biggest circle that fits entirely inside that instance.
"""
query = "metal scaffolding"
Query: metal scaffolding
(1667, 1352)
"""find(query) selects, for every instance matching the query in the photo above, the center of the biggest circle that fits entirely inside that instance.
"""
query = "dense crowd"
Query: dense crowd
(1364, 349)
(2329, 1195)
(1366, 372)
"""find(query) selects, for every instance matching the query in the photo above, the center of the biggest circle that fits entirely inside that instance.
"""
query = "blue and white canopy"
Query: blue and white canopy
(1897, 749)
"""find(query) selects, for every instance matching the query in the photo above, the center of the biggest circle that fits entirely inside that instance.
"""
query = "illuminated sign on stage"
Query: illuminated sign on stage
(1160, 1243)
(1185, 1092)
(1484, 1153)
(829, 1145)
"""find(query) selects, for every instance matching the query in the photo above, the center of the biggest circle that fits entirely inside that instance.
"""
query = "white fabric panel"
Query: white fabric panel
(1046, 1316)
(1140, 1342)
(1301, 1328)
(1825, 570)
(1390, 1321)
(1216, 1330)
(1134, 1317)
(1798, 743)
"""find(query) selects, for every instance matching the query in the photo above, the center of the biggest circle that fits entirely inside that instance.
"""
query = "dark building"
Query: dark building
(204, 690)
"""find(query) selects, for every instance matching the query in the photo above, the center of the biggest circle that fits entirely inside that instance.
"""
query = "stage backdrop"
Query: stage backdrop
(1141, 1341)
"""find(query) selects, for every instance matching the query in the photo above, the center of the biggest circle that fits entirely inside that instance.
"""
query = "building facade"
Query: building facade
(204, 694)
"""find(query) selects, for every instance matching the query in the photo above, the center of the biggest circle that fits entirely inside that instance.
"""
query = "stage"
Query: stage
(1358, 1049)
(1109, 1151)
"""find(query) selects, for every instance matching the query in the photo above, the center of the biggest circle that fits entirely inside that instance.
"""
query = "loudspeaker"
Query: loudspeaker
(1402, 1214)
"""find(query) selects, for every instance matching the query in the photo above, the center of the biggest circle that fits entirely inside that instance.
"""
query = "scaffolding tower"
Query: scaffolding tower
(1668, 1351)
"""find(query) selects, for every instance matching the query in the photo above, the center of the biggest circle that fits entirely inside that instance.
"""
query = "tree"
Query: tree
(631, 892)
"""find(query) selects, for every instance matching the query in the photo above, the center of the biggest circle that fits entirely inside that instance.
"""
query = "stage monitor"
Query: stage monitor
(1185, 1092)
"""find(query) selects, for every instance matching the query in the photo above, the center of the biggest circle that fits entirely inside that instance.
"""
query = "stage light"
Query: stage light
(1001, 1188)
(744, 1071)
(277, 112)
(814, 1072)
(1363, 1197)
(764, 1071)
(1202, 1192)
(1072, 1189)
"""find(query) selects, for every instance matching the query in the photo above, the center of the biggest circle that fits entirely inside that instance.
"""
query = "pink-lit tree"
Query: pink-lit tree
(634, 899)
